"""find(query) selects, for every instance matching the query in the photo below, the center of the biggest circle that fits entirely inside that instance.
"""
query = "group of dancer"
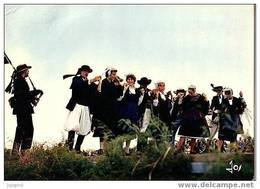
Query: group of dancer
(109, 106)
(102, 104)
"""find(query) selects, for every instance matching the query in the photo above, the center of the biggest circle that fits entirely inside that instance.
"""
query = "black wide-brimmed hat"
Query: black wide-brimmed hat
(85, 68)
(217, 88)
(22, 67)
(144, 81)
(180, 90)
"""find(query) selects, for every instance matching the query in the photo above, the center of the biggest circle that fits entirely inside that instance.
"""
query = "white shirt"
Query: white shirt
(156, 101)
(220, 99)
(131, 91)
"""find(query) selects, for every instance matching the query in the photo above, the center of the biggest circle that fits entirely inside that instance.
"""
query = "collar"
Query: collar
(162, 95)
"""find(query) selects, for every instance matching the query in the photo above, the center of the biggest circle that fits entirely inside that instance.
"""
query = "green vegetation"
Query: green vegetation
(156, 162)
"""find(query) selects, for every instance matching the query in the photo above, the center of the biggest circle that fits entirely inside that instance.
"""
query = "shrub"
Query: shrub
(157, 161)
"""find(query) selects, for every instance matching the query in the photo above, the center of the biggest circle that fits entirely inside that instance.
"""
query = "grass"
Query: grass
(157, 162)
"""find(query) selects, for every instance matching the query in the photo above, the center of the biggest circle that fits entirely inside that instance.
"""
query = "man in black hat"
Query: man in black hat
(215, 107)
(144, 109)
(23, 109)
(177, 112)
(79, 119)
(216, 101)
(145, 100)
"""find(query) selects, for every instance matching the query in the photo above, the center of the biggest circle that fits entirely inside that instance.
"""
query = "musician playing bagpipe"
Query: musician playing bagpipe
(22, 104)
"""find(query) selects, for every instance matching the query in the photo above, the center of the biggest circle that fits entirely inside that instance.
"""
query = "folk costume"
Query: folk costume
(193, 123)
(162, 109)
(216, 108)
(216, 103)
(128, 109)
(79, 119)
(230, 122)
(23, 109)
(106, 109)
(145, 111)
(177, 113)
(145, 103)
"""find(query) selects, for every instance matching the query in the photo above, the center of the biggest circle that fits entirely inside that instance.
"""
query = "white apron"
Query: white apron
(79, 120)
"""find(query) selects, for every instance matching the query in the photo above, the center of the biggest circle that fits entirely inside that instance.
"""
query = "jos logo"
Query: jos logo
(233, 167)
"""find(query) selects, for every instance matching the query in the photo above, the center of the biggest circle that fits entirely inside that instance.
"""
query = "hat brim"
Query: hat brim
(217, 90)
(28, 67)
(148, 82)
(178, 91)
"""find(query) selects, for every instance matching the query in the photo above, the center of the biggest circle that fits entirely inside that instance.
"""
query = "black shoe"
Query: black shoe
(78, 151)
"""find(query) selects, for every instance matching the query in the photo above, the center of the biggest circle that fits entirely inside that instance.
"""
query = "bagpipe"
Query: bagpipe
(35, 94)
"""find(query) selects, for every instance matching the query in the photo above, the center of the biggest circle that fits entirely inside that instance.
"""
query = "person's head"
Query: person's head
(180, 92)
(111, 74)
(144, 82)
(161, 86)
(218, 90)
(228, 93)
(23, 70)
(192, 90)
(84, 71)
(130, 79)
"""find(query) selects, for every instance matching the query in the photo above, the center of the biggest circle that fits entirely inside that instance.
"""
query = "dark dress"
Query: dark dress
(105, 114)
(177, 110)
(230, 122)
(128, 106)
(162, 110)
(23, 110)
(193, 122)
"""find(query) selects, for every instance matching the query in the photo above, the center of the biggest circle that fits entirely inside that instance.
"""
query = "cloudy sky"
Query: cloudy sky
(180, 44)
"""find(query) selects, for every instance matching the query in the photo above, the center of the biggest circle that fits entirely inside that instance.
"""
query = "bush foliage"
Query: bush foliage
(158, 161)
